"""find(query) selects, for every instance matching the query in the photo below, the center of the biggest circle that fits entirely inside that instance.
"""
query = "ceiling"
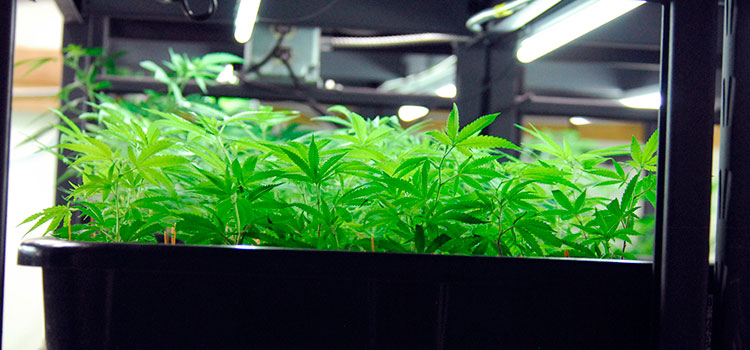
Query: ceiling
(606, 63)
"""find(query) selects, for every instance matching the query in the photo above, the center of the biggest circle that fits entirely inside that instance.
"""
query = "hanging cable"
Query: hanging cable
(248, 68)
(283, 55)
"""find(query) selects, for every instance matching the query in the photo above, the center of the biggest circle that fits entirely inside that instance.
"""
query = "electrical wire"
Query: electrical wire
(298, 87)
(323, 9)
(247, 68)
(283, 55)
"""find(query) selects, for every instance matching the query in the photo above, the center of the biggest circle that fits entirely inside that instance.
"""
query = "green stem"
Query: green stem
(317, 200)
(116, 190)
(237, 218)
(440, 176)
(580, 222)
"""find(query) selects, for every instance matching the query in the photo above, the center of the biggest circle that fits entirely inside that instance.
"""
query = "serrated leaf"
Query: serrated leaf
(636, 152)
(486, 141)
(219, 58)
(313, 158)
(529, 239)
(359, 126)
(153, 148)
(563, 200)
(440, 137)
(451, 125)
(619, 170)
(605, 173)
(460, 217)
(363, 191)
(378, 134)
(580, 201)
(332, 119)
(475, 127)
(165, 161)
(652, 144)
(437, 243)
(627, 196)
(400, 184)
(299, 162)
(409, 165)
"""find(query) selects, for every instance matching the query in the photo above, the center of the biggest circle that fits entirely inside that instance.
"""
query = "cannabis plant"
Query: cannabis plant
(198, 173)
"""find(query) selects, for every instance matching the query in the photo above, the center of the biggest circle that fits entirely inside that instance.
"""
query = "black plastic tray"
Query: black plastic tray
(124, 296)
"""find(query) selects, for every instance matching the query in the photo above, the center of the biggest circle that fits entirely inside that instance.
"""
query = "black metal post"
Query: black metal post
(7, 33)
(688, 147)
(732, 318)
(488, 79)
(659, 221)
(86, 34)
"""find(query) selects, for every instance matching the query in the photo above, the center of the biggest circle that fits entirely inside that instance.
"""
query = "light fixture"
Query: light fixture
(446, 91)
(579, 121)
(650, 100)
(410, 113)
(571, 23)
(523, 16)
(247, 13)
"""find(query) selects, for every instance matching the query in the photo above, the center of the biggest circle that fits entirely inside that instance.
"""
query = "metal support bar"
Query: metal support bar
(488, 80)
(277, 92)
(732, 330)
(687, 174)
(85, 34)
(7, 31)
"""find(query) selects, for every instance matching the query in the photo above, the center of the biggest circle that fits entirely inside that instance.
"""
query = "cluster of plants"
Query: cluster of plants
(206, 172)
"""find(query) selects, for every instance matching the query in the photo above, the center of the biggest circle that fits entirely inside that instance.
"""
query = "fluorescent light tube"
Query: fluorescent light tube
(244, 21)
(650, 100)
(409, 113)
(572, 24)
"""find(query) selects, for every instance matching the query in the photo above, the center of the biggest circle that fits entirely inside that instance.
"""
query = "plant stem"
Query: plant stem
(580, 222)
(237, 218)
(499, 234)
(117, 212)
(317, 202)
(440, 176)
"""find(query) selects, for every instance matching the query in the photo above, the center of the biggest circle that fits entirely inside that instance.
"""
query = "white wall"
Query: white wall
(31, 187)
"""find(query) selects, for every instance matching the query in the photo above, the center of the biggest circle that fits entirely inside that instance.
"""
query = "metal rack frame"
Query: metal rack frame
(681, 265)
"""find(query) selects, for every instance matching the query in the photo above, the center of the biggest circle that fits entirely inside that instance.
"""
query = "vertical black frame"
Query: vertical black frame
(732, 330)
(7, 36)
(681, 264)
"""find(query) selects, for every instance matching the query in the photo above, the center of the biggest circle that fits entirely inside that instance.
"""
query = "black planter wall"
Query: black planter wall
(127, 296)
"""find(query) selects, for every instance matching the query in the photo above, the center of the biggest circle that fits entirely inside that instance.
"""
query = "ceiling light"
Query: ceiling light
(244, 22)
(651, 100)
(447, 91)
(573, 22)
(579, 121)
(409, 113)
